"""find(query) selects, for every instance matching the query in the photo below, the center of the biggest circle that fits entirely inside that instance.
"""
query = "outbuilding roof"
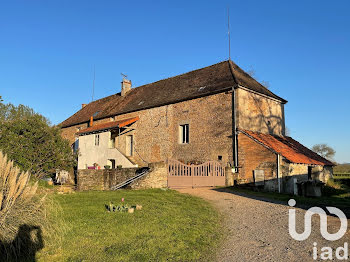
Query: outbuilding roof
(289, 148)
(210, 80)
(108, 126)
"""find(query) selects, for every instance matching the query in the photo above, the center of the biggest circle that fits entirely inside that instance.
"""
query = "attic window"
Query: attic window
(141, 103)
(96, 113)
(202, 88)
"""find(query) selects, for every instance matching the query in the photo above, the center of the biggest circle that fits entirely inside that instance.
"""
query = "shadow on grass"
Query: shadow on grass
(23, 247)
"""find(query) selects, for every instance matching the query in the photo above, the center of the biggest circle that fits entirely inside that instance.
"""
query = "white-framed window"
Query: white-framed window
(97, 140)
(184, 134)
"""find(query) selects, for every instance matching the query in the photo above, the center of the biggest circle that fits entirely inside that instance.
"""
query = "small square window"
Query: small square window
(97, 140)
(184, 134)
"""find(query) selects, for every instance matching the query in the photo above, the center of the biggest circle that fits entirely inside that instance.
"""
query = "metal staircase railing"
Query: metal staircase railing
(130, 180)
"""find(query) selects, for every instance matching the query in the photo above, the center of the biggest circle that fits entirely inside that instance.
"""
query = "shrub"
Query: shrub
(333, 188)
(21, 213)
(35, 146)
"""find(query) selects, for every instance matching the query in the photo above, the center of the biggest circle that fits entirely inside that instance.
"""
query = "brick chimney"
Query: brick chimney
(91, 121)
(126, 86)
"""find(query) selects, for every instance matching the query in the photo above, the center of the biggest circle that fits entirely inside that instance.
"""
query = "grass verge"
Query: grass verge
(171, 226)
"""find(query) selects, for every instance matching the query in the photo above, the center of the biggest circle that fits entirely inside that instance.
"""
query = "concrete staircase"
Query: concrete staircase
(136, 162)
(140, 173)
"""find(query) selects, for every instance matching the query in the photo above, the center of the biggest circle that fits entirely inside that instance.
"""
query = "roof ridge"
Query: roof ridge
(102, 98)
(230, 62)
(221, 62)
(216, 78)
(241, 71)
(183, 74)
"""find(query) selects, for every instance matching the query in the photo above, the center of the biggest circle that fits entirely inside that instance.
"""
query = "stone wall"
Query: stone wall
(292, 171)
(156, 133)
(151, 135)
(91, 179)
(210, 126)
(230, 176)
(157, 178)
(258, 113)
(69, 132)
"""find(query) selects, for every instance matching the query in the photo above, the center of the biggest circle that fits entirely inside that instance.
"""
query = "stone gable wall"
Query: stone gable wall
(259, 113)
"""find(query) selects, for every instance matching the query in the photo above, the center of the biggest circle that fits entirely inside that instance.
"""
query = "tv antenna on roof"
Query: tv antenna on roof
(93, 86)
(229, 37)
(124, 76)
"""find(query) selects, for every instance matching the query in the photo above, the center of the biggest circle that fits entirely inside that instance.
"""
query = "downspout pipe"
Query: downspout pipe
(234, 131)
(279, 172)
(234, 119)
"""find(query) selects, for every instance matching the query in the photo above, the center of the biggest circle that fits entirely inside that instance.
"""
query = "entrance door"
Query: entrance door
(111, 163)
(129, 145)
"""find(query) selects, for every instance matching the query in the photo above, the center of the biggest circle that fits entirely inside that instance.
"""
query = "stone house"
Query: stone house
(217, 113)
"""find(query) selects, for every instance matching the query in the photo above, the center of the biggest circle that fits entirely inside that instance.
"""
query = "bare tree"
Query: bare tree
(265, 84)
(324, 150)
(252, 73)
(287, 131)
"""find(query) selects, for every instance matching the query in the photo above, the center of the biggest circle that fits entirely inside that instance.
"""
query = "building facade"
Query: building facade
(194, 118)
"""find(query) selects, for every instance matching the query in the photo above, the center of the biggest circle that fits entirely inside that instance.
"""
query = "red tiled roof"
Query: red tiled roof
(206, 81)
(289, 148)
(108, 125)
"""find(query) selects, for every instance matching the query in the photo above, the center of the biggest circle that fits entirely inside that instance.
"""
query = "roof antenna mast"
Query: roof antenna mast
(124, 76)
(93, 86)
(229, 37)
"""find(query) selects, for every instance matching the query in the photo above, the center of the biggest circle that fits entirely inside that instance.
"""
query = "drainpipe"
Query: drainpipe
(234, 131)
(234, 124)
(118, 137)
(278, 172)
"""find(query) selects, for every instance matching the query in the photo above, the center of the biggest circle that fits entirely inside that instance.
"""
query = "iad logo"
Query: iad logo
(323, 225)
(327, 252)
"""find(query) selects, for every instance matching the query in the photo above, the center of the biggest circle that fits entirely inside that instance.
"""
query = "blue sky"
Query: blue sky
(48, 50)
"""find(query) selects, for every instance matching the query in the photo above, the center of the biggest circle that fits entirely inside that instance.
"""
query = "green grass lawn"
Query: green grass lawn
(171, 226)
(344, 168)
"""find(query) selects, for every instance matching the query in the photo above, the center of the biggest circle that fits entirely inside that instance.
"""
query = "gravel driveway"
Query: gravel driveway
(257, 229)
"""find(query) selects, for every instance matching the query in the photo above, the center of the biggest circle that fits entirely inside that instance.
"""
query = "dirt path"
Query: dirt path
(257, 230)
